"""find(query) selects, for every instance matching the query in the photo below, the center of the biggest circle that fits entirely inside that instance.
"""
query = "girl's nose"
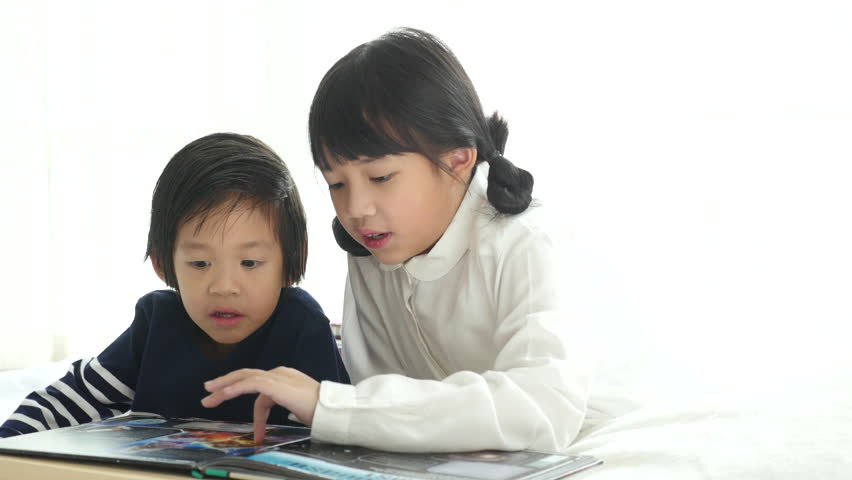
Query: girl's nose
(360, 204)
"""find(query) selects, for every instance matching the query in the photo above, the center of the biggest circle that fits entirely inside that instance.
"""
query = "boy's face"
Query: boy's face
(229, 273)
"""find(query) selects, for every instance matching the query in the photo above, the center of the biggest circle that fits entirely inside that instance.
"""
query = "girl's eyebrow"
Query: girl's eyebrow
(387, 157)
(359, 161)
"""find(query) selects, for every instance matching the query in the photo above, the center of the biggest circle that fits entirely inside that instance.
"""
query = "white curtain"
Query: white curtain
(695, 158)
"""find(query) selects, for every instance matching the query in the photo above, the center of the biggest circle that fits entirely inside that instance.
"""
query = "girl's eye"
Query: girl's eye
(335, 186)
(200, 264)
(383, 178)
(250, 263)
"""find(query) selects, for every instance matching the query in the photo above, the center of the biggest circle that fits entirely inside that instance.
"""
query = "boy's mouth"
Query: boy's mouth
(226, 318)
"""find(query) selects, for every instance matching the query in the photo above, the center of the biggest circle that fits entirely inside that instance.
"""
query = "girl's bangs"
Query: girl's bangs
(345, 123)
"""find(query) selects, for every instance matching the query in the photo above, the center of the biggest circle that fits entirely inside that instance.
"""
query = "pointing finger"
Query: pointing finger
(262, 406)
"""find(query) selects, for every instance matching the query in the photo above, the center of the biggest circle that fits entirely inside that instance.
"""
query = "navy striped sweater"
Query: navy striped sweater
(157, 366)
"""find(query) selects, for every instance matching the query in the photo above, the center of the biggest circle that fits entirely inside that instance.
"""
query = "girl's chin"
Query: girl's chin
(388, 258)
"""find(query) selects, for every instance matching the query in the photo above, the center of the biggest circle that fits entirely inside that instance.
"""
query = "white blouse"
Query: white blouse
(464, 348)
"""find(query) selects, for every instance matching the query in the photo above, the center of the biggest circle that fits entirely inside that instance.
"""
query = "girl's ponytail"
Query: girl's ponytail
(509, 187)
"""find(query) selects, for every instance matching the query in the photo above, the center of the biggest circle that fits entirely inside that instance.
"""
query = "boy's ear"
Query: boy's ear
(157, 269)
(461, 160)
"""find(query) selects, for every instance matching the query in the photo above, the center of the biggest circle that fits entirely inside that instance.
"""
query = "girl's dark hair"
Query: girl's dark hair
(226, 170)
(407, 92)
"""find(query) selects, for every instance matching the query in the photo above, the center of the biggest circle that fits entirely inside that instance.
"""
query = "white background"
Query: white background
(696, 158)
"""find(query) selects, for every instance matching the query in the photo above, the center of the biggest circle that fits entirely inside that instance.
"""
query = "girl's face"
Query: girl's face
(396, 206)
(229, 273)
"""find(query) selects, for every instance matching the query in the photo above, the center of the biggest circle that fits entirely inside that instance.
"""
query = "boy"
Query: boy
(228, 234)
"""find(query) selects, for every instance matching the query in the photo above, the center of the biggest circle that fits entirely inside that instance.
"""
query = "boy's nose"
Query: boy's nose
(224, 283)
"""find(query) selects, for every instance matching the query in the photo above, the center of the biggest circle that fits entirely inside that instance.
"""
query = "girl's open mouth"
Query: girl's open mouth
(375, 241)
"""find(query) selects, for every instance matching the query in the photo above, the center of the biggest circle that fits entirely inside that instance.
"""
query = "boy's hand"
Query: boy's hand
(284, 386)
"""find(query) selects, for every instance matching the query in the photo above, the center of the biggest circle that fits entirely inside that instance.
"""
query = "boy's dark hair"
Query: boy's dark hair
(407, 92)
(226, 170)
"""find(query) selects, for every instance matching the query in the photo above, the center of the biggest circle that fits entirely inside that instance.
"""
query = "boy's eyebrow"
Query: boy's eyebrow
(191, 245)
(254, 244)
(194, 245)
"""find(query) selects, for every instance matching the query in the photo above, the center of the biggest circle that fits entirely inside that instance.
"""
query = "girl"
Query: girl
(453, 332)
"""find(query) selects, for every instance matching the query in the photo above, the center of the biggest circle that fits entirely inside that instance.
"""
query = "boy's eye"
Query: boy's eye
(383, 178)
(335, 186)
(199, 264)
(250, 263)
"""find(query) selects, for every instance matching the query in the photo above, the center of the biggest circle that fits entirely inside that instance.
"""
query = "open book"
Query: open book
(227, 449)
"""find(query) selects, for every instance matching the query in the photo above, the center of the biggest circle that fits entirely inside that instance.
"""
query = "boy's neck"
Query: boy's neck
(214, 350)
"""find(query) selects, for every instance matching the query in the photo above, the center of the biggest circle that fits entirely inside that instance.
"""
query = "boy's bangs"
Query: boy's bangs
(224, 204)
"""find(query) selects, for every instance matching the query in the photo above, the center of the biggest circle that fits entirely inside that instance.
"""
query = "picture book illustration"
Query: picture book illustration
(151, 439)
(227, 449)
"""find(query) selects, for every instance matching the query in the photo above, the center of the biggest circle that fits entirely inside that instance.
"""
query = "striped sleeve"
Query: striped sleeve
(86, 393)
(91, 389)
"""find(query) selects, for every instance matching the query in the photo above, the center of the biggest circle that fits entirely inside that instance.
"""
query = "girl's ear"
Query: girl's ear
(157, 269)
(461, 161)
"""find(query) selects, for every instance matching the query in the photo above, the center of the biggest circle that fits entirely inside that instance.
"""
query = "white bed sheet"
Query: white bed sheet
(802, 430)
(799, 431)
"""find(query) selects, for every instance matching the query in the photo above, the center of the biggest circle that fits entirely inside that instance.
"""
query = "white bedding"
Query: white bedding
(799, 431)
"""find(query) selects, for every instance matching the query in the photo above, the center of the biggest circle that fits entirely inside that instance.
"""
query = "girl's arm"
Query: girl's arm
(531, 396)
